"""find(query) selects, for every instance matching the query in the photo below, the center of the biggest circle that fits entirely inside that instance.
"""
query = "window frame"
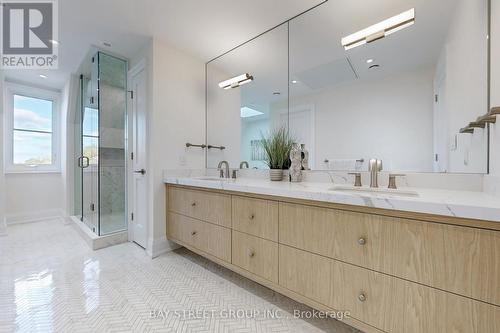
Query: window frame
(12, 89)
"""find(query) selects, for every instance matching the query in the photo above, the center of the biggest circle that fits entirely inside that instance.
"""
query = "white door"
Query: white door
(138, 158)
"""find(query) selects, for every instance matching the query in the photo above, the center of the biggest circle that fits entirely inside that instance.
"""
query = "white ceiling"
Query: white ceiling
(416, 46)
(204, 28)
(317, 58)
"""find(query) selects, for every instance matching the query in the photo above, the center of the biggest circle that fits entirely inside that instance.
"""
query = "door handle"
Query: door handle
(142, 171)
(80, 162)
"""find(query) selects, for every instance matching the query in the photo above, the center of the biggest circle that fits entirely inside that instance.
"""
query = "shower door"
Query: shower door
(89, 160)
(102, 146)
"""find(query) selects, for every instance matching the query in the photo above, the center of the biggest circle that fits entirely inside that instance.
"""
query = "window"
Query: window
(31, 129)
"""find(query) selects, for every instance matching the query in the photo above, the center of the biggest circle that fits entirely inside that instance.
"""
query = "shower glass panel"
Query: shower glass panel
(102, 145)
(112, 134)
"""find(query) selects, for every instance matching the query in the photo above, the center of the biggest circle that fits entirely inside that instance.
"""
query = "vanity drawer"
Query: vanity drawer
(256, 217)
(206, 237)
(256, 255)
(211, 207)
(457, 259)
(307, 274)
(400, 306)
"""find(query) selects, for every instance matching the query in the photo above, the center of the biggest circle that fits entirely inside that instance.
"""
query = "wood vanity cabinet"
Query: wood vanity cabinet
(393, 271)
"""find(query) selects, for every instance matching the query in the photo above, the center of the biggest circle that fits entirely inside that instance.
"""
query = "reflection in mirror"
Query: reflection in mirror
(403, 81)
(237, 113)
(402, 98)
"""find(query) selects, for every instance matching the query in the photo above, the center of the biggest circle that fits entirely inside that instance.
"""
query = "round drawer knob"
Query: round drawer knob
(193, 233)
(251, 253)
(193, 204)
(362, 297)
(252, 216)
(361, 241)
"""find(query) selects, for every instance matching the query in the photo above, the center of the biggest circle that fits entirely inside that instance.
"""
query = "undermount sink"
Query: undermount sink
(377, 190)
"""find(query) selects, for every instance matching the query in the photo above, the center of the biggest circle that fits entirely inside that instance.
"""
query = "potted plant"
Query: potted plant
(277, 150)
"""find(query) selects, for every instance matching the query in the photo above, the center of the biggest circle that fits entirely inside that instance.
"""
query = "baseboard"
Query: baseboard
(159, 246)
(34, 216)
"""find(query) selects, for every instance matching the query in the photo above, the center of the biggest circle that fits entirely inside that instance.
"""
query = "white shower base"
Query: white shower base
(96, 242)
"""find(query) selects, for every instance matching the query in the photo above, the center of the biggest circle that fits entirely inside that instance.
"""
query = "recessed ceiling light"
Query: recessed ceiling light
(276, 93)
(247, 112)
(53, 41)
(379, 30)
(43, 76)
(374, 66)
(107, 44)
(236, 81)
(369, 61)
(294, 81)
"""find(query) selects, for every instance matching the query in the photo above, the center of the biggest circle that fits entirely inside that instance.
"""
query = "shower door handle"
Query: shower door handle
(142, 171)
(80, 162)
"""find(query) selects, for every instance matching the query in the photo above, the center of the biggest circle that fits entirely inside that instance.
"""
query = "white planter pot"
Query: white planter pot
(276, 175)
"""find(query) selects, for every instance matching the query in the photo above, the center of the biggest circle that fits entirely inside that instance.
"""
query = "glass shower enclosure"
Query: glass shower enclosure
(101, 146)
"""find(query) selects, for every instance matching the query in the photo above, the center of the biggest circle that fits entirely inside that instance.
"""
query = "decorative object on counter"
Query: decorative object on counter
(244, 164)
(202, 146)
(276, 175)
(305, 157)
(296, 163)
(277, 148)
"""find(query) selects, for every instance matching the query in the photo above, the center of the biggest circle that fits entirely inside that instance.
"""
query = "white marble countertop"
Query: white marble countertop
(465, 204)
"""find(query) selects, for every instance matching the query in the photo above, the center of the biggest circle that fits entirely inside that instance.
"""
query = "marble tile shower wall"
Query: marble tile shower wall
(113, 175)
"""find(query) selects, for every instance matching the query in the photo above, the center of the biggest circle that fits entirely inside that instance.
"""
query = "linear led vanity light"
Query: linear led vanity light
(380, 30)
(237, 81)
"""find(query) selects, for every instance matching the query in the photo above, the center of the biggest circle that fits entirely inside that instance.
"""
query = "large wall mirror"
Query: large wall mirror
(401, 80)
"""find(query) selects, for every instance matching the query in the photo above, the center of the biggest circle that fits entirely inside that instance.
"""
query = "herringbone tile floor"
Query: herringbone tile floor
(50, 281)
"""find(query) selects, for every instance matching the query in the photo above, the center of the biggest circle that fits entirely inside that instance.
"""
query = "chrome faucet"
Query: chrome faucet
(223, 173)
(374, 166)
(244, 164)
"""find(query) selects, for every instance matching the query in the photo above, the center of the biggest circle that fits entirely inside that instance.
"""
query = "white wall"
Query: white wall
(492, 181)
(69, 107)
(223, 122)
(463, 66)
(34, 196)
(495, 87)
(3, 227)
(176, 85)
(390, 119)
